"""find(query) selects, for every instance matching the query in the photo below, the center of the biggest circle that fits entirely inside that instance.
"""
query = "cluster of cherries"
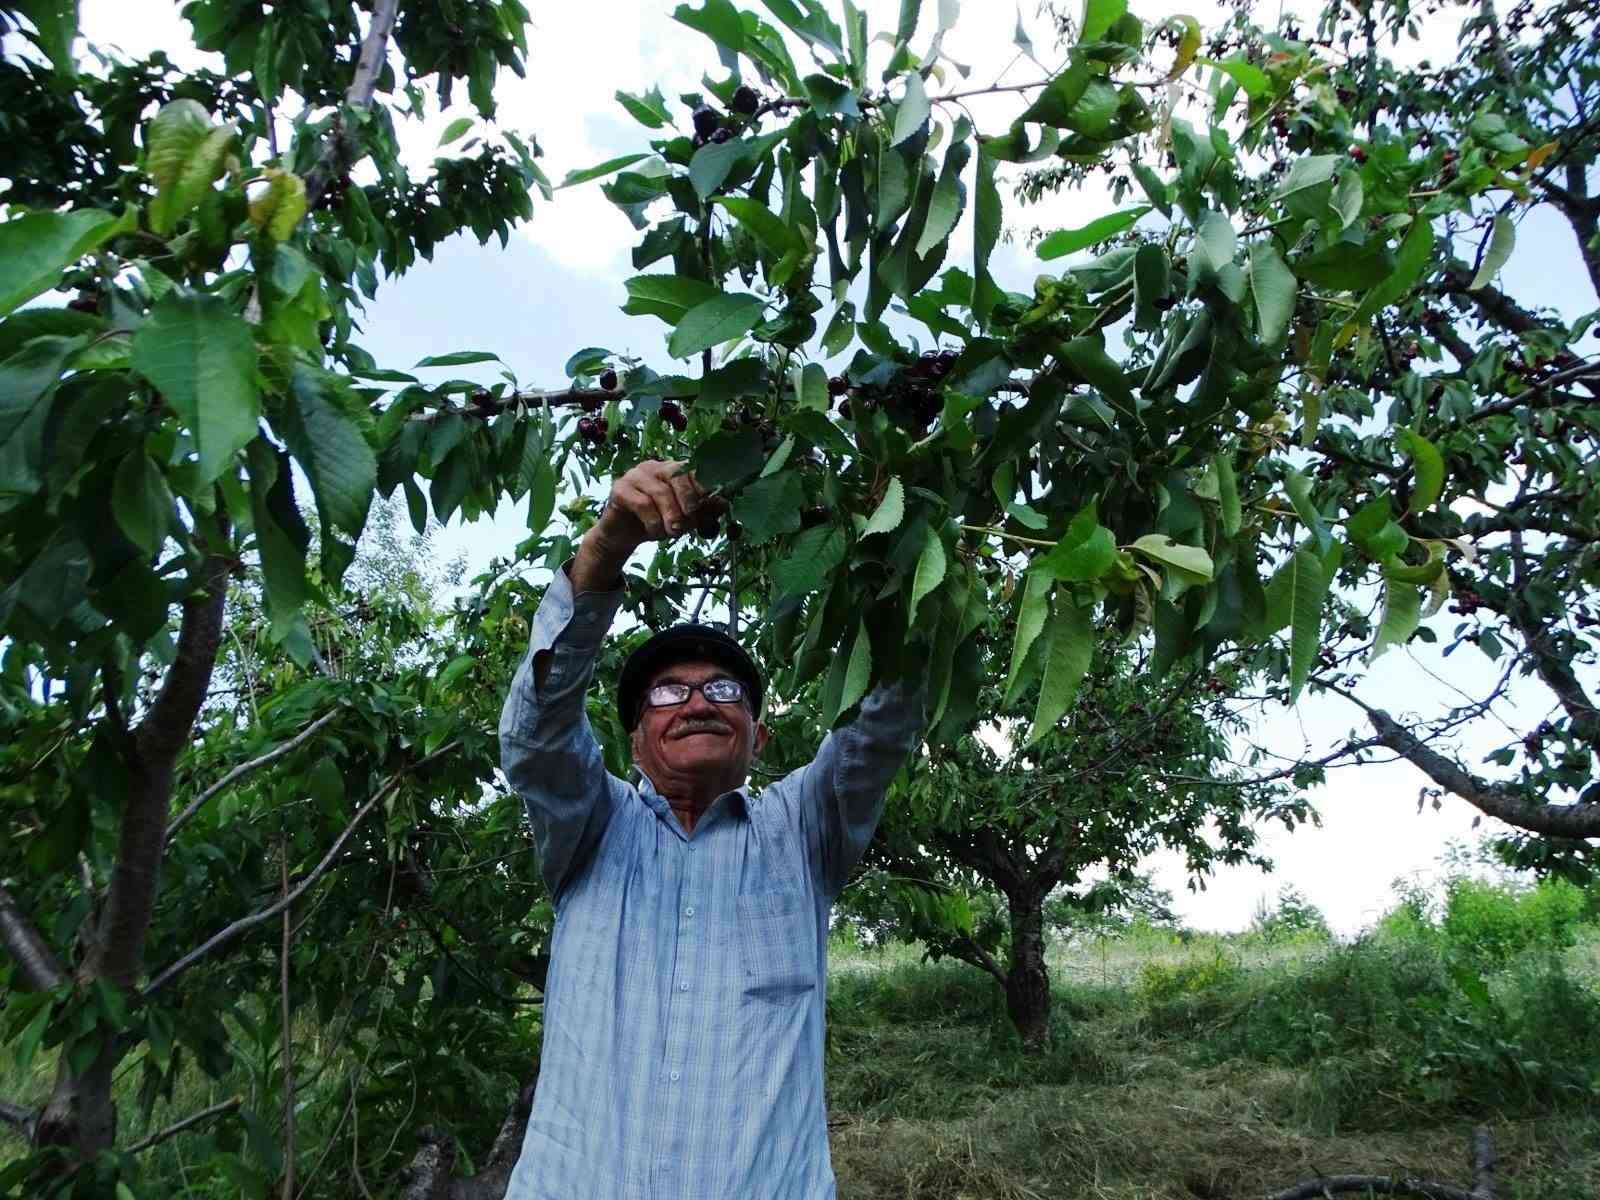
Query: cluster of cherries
(593, 429)
(712, 126)
(913, 400)
(1467, 602)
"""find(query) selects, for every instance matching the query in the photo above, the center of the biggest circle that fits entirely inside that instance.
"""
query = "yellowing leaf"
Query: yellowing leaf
(1188, 46)
(278, 209)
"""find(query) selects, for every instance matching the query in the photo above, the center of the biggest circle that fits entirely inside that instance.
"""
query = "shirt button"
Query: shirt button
(683, 987)
(674, 1078)
(689, 912)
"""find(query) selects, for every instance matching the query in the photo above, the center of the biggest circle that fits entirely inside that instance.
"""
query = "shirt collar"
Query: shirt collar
(737, 801)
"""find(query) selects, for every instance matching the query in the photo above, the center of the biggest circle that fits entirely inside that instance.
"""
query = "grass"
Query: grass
(1202, 1067)
(1181, 1066)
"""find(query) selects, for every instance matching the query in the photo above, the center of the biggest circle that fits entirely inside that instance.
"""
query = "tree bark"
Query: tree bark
(1027, 976)
(431, 1175)
(81, 1114)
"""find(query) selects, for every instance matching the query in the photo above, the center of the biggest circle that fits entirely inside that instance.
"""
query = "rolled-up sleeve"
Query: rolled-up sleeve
(841, 792)
(547, 748)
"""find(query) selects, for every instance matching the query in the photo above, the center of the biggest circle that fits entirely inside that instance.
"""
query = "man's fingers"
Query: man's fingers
(629, 498)
(664, 496)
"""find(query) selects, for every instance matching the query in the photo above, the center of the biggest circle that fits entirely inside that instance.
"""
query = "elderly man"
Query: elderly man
(683, 1017)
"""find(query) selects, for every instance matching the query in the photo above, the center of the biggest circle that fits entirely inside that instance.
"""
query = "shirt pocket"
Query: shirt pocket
(777, 945)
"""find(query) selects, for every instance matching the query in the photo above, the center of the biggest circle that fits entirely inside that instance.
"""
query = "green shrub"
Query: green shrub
(1291, 918)
(1493, 923)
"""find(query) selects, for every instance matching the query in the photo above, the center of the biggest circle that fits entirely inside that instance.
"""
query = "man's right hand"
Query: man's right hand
(653, 501)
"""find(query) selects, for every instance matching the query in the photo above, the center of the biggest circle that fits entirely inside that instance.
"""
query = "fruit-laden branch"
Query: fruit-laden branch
(27, 947)
(189, 1122)
(1578, 820)
(18, 1119)
(229, 932)
(339, 152)
(245, 768)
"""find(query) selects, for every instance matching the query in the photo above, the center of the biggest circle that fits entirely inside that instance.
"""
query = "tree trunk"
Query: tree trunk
(431, 1175)
(1027, 977)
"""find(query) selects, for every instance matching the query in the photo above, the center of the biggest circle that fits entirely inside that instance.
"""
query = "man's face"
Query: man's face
(697, 740)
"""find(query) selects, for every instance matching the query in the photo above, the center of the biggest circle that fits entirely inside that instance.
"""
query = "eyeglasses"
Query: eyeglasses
(721, 690)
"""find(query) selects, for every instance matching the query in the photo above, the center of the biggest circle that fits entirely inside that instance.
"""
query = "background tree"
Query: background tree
(984, 836)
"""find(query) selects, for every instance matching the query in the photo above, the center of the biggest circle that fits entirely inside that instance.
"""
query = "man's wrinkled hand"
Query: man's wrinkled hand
(655, 501)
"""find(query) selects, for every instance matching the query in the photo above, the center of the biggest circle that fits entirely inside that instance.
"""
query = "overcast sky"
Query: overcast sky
(558, 287)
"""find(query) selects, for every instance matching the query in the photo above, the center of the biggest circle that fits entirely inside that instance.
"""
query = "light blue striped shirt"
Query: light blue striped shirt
(683, 1014)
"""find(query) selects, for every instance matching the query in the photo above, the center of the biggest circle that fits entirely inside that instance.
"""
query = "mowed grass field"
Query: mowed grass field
(1216, 1067)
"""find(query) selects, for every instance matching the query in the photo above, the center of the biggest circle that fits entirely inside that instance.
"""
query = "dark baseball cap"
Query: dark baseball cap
(683, 643)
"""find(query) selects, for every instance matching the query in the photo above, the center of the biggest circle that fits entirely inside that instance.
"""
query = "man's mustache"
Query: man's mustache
(690, 726)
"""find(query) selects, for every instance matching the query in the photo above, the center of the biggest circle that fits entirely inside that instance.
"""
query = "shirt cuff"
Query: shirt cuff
(579, 620)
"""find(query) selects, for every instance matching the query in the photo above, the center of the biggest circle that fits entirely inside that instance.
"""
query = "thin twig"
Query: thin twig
(243, 769)
(229, 932)
(189, 1122)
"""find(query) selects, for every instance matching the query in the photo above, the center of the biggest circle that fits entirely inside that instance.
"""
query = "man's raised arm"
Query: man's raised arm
(547, 749)
(842, 790)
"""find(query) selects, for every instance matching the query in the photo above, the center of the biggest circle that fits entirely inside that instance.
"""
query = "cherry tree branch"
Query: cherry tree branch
(245, 768)
(27, 946)
(189, 1122)
(1383, 1185)
(233, 930)
(338, 152)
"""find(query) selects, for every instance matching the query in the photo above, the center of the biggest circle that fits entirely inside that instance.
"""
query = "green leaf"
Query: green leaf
(650, 109)
(599, 170)
(27, 380)
(1098, 17)
(913, 112)
(1252, 80)
(1402, 613)
(1228, 495)
(541, 497)
(712, 322)
(910, 10)
(1272, 285)
(718, 20)
(456, 129)
(986, 232)
(459, 358)
(1311, 171)
(1410, 262)
(185, 155)
(37, 247)
(666, 296)
(280, 538)
(949, 197)
(1030, 623)
(1189, 561)
(931, 568)
(713, 163)
(1294, 597)
(727, 457)
(1070, 649)
(1068, 241)
(891, 509)
(1502, 240)
(326, 440)
(1215, 242)
(141, 501)
(1084, 553)
(858, 674)
(812, 558)
(1305, 506)
(813, 388)
(1427, 463)
(202, 358)
(770, 507)
(765, 226)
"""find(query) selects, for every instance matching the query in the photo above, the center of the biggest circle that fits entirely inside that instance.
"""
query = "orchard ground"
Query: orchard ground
(1182, 1064)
